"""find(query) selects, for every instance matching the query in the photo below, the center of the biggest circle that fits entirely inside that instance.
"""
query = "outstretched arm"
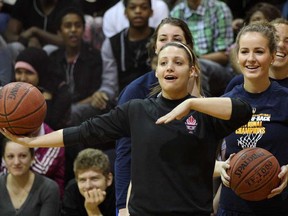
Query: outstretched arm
(217, 107)
(54, 139)
(47, 37)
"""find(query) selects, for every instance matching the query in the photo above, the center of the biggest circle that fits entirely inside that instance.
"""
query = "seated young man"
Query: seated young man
(92, 191)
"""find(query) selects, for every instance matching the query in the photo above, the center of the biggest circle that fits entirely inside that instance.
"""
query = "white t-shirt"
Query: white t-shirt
(114, 19)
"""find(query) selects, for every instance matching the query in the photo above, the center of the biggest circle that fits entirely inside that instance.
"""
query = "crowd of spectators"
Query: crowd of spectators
(82, 54)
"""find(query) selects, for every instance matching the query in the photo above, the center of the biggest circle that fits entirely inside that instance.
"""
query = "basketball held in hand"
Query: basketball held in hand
(253, 173)
(22, 108)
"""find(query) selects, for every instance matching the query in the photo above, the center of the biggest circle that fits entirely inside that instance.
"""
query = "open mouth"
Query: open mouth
(170, 77)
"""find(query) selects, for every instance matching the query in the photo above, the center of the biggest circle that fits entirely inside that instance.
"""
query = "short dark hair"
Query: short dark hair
(4, 142)
(70, 10)
(269, 11)
(125, 2)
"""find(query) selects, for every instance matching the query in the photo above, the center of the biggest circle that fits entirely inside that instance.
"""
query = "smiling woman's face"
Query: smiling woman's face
(281, 59)
(254, 55)
(18, 158)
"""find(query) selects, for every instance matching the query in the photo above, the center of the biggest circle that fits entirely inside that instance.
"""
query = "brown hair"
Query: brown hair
(4, 144)
(175, 22)
(190, 53)
(92, 158)
(265, 28)
(189, 42)
(279, 21)
(269, 11)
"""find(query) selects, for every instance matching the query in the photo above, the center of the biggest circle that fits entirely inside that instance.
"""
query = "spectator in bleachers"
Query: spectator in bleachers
(125, 54)
(23, 192)
(92, 190)
(210, 22)
(33, 23)
(49, 162)
(114, 19)
(80, 66)
(259, 12)
(32, 66)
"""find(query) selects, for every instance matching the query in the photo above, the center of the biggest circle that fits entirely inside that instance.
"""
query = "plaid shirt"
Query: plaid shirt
(210, 25)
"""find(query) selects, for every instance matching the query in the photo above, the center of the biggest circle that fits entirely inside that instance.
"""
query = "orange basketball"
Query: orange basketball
(22, 108)
(253, 173)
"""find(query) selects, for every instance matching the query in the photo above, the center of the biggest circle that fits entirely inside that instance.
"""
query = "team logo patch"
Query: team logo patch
(191, 124)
